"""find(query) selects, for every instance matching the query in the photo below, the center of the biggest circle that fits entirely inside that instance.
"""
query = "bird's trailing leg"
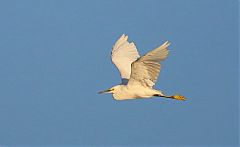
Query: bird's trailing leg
(176, 97)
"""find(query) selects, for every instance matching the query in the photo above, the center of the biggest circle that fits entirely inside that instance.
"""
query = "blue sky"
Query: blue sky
(55, 57)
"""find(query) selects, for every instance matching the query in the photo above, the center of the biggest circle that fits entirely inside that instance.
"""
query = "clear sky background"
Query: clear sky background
(55, 57)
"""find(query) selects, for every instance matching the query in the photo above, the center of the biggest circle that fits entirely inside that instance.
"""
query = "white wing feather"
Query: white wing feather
(146, 69)
(123, 54)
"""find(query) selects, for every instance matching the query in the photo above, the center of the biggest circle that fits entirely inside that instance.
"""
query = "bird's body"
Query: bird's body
(123, 92)
(138, 74)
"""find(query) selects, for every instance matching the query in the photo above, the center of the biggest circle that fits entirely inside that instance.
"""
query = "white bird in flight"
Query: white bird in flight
(138, 74)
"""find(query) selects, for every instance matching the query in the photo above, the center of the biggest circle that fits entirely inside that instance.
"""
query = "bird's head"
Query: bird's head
(111, 90)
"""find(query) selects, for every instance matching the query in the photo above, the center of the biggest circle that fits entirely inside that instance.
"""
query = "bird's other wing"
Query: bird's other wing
(123, 54)
(146, 69)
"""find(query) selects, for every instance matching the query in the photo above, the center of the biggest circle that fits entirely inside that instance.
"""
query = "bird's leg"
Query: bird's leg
(176, 97)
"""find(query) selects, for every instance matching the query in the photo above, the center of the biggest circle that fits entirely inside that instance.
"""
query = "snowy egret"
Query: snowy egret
(138, 74)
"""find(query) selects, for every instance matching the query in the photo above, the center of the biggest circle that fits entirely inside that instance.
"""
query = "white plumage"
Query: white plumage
(138, 74)
(123, 54)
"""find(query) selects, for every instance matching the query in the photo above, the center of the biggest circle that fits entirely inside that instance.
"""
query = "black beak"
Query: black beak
(104, 91)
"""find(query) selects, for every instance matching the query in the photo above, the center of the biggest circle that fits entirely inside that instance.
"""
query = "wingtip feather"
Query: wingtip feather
(166, 44)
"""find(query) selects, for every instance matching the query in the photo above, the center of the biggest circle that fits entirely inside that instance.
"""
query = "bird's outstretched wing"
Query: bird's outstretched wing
(146, 69)
(123, 54)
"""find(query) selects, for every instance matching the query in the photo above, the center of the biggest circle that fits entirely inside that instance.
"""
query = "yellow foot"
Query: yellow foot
(178, 97)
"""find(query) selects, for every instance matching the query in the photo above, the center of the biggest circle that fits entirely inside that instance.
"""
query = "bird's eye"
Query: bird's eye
(112, 89)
